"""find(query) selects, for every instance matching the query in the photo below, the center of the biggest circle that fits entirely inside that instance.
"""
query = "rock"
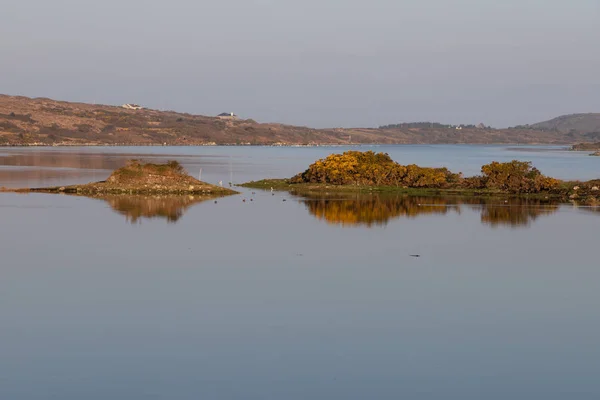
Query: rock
(61, 189)
(573, 196)
(576, 188)
(191, 188)
(595, 188)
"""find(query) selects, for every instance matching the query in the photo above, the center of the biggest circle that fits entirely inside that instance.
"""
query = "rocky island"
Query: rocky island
(377, 172)
(138, 178)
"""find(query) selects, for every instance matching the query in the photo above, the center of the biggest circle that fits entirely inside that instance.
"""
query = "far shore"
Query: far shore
(521, 146)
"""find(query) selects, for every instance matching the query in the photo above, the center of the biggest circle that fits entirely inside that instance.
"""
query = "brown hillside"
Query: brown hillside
(583, 123)
(41, 121)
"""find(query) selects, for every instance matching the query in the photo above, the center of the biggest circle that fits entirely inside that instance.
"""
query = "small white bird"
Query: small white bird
(221, 183)
(271, 188)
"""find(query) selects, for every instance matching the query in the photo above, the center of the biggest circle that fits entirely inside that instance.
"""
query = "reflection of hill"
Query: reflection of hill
(375, 209)
(63, 159)
(134, 208)
(29, 166)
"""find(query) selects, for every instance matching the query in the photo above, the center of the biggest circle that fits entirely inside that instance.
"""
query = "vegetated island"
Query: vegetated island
(369, 171)
(587, 147)
(138, 178)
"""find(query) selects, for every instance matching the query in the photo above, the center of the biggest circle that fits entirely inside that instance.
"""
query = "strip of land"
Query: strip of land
(46, 122)
(595, 147)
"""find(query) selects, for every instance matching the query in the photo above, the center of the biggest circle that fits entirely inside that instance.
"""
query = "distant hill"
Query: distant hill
(580, 123)
(430, 125)
(40, 121)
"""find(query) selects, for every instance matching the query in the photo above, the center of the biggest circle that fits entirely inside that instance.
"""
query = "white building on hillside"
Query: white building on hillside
(132, 106)
(227, 116)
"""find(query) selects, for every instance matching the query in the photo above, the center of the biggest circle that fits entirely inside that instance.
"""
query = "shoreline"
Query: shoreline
(564, 194)
(568, 146)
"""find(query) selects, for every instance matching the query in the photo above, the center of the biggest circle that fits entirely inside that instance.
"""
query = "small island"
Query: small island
(138, 178)
(377, 172)
(595, 147)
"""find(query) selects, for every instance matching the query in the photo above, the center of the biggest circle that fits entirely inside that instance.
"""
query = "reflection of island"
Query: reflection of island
(591, 209)
(373, 209)
(377, 209)
(137, 207)
(515, 213)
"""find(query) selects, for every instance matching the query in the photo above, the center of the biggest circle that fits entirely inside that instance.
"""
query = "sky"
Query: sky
(319, 63)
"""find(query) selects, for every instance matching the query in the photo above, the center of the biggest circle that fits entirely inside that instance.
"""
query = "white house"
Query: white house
(227, 116)
(132, 106)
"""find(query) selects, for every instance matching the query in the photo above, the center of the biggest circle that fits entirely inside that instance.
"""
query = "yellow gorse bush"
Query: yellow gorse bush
(373, 169)
(517, 177)
(378, 169)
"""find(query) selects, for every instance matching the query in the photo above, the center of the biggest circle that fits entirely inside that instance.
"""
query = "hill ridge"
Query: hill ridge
(585, 123)
(43, 121)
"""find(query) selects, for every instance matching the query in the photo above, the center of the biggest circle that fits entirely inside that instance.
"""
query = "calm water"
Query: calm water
(308, 298)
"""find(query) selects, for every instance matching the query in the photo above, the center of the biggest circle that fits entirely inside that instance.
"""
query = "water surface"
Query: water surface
(311, 297)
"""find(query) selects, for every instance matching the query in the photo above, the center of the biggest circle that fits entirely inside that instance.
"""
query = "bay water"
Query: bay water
(326, 297)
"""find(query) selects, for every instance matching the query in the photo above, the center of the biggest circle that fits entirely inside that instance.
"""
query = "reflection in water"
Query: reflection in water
(515, 213)
(47, 167)
(21, 177)
(135, 208)
(593, 209)
(372, 210)
(69, 159)
(378, 209)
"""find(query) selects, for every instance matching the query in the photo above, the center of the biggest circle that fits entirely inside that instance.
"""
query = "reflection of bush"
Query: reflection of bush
(375, 210)
(134, 208)
(372, 210)
(516, 214)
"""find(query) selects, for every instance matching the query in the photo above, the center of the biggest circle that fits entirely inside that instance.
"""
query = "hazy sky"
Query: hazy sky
(311, 62)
